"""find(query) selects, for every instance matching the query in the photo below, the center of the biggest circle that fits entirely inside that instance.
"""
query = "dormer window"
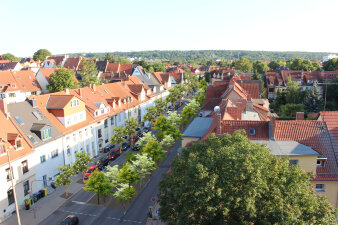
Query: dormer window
(13, 85)
(321, 162)
(46, 134)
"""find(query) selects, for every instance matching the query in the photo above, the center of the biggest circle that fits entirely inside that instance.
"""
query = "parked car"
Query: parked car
(70, 220)
(102, 163)
(108, 148)
(89, 172)
(135, 139)
(125, 146)
(113, 154)
(136, 148)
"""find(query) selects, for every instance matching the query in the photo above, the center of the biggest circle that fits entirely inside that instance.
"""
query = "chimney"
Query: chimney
(80, 92)
(90, 85)
(3, 106)
(124, 84)
(300, 116)
(94, 87)
(67, 91)
(217, 110)
(272, 127)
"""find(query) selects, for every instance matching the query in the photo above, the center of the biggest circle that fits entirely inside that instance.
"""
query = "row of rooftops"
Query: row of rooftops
(301, 77)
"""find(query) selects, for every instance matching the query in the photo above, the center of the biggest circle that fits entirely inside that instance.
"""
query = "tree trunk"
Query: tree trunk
(120, 148)
(66, 191)
(98, 199)
(83, 180)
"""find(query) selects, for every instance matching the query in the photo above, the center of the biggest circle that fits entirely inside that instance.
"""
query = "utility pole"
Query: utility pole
(13, 187)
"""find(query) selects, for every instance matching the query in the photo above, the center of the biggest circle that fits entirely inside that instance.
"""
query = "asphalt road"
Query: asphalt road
(99, 215)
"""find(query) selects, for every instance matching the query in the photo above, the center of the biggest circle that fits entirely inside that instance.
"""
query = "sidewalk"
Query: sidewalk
(45, 206)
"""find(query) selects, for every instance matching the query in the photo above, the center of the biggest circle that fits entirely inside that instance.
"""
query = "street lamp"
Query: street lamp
(13, 186)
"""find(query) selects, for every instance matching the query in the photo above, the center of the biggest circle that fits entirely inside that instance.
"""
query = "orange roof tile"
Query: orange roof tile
(58, 101)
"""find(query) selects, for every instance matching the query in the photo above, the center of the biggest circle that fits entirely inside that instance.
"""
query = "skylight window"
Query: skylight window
(19, 120)
(37, 115)
(32, 139)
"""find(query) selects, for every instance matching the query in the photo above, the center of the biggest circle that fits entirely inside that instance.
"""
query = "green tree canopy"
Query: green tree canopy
(41, 54)
(243, 64)
(301, 64)
(64, 178)
(331, 65)
(314, 101)
(81, 163)
(118, 136)
(61, 79)
(130, 128)
(10, 57)
(110, 58)
(331, 93)
(123, 61)
(89, 73)
(231, 180)
(154, 149)
(164, 127)
(128, 174)
(274, 64)
(99, 184)
(259, 67)
(125, 193)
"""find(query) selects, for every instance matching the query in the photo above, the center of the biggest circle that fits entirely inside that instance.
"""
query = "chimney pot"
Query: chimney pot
(94, 87)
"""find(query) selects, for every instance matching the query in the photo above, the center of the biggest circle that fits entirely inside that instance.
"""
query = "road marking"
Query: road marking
(111, 218)
(81, 203)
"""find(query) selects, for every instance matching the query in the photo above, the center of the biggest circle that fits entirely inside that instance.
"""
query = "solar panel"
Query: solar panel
(37, 115)
(19, 120)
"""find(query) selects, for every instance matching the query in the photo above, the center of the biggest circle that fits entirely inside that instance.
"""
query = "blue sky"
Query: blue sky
(68, 26)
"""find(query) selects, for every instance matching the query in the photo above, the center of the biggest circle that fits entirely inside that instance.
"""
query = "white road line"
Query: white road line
(81, 203)
(111, 218)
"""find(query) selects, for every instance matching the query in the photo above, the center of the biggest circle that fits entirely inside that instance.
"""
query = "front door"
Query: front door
(44, 179)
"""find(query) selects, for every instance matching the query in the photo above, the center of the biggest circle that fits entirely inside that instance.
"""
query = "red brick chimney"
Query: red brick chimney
(217, 111)
(300, 116)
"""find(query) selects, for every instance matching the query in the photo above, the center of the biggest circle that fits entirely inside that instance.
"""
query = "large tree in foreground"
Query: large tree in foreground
(231, 180)
(61, 79)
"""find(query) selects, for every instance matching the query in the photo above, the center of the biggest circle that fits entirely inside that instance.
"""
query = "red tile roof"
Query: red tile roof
(58, 59)
(47, 72)
(73, 63)
(315, 134)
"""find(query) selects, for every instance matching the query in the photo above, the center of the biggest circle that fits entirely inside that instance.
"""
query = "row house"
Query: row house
(16, 162)
(305, 79)
(309, 144)
(115, 72)
(13, 66)
(16, 86)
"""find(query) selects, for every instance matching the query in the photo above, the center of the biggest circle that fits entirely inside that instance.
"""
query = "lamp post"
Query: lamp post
(13, 186)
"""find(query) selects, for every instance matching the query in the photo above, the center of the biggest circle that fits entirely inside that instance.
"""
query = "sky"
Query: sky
(71, 26)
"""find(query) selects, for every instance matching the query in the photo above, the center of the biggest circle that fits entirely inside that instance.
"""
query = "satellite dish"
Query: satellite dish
(217, 109)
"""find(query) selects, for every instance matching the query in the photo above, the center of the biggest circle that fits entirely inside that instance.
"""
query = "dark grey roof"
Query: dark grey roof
(198, 127)
(287, 148)
(31, 124)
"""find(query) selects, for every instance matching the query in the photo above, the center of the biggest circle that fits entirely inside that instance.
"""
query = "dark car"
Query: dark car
(125, 146)
(89, 172)
(108, 148)
(136, 148)
(70, 220)
(113, 154)
(102, 163)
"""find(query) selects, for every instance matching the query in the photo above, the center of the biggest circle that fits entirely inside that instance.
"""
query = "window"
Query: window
(252, 131)
(102, 111)
(10, 196)
(320, 187)
(46, 134)
(43, 158)
(74, 103)
(99, 134)
(321, 162)
(8, 172)
(112, 121)
(18, 144)
(293, 162)
(271, 89)
(68, 150)
(26, 187)
(80, 135)
(105, 123)
(19, 120)
(24, 165)
(119, 117)
(32, 139)
(96, 113)
(55, 153)
(11, 95)
(33, 93)
(81, 116)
